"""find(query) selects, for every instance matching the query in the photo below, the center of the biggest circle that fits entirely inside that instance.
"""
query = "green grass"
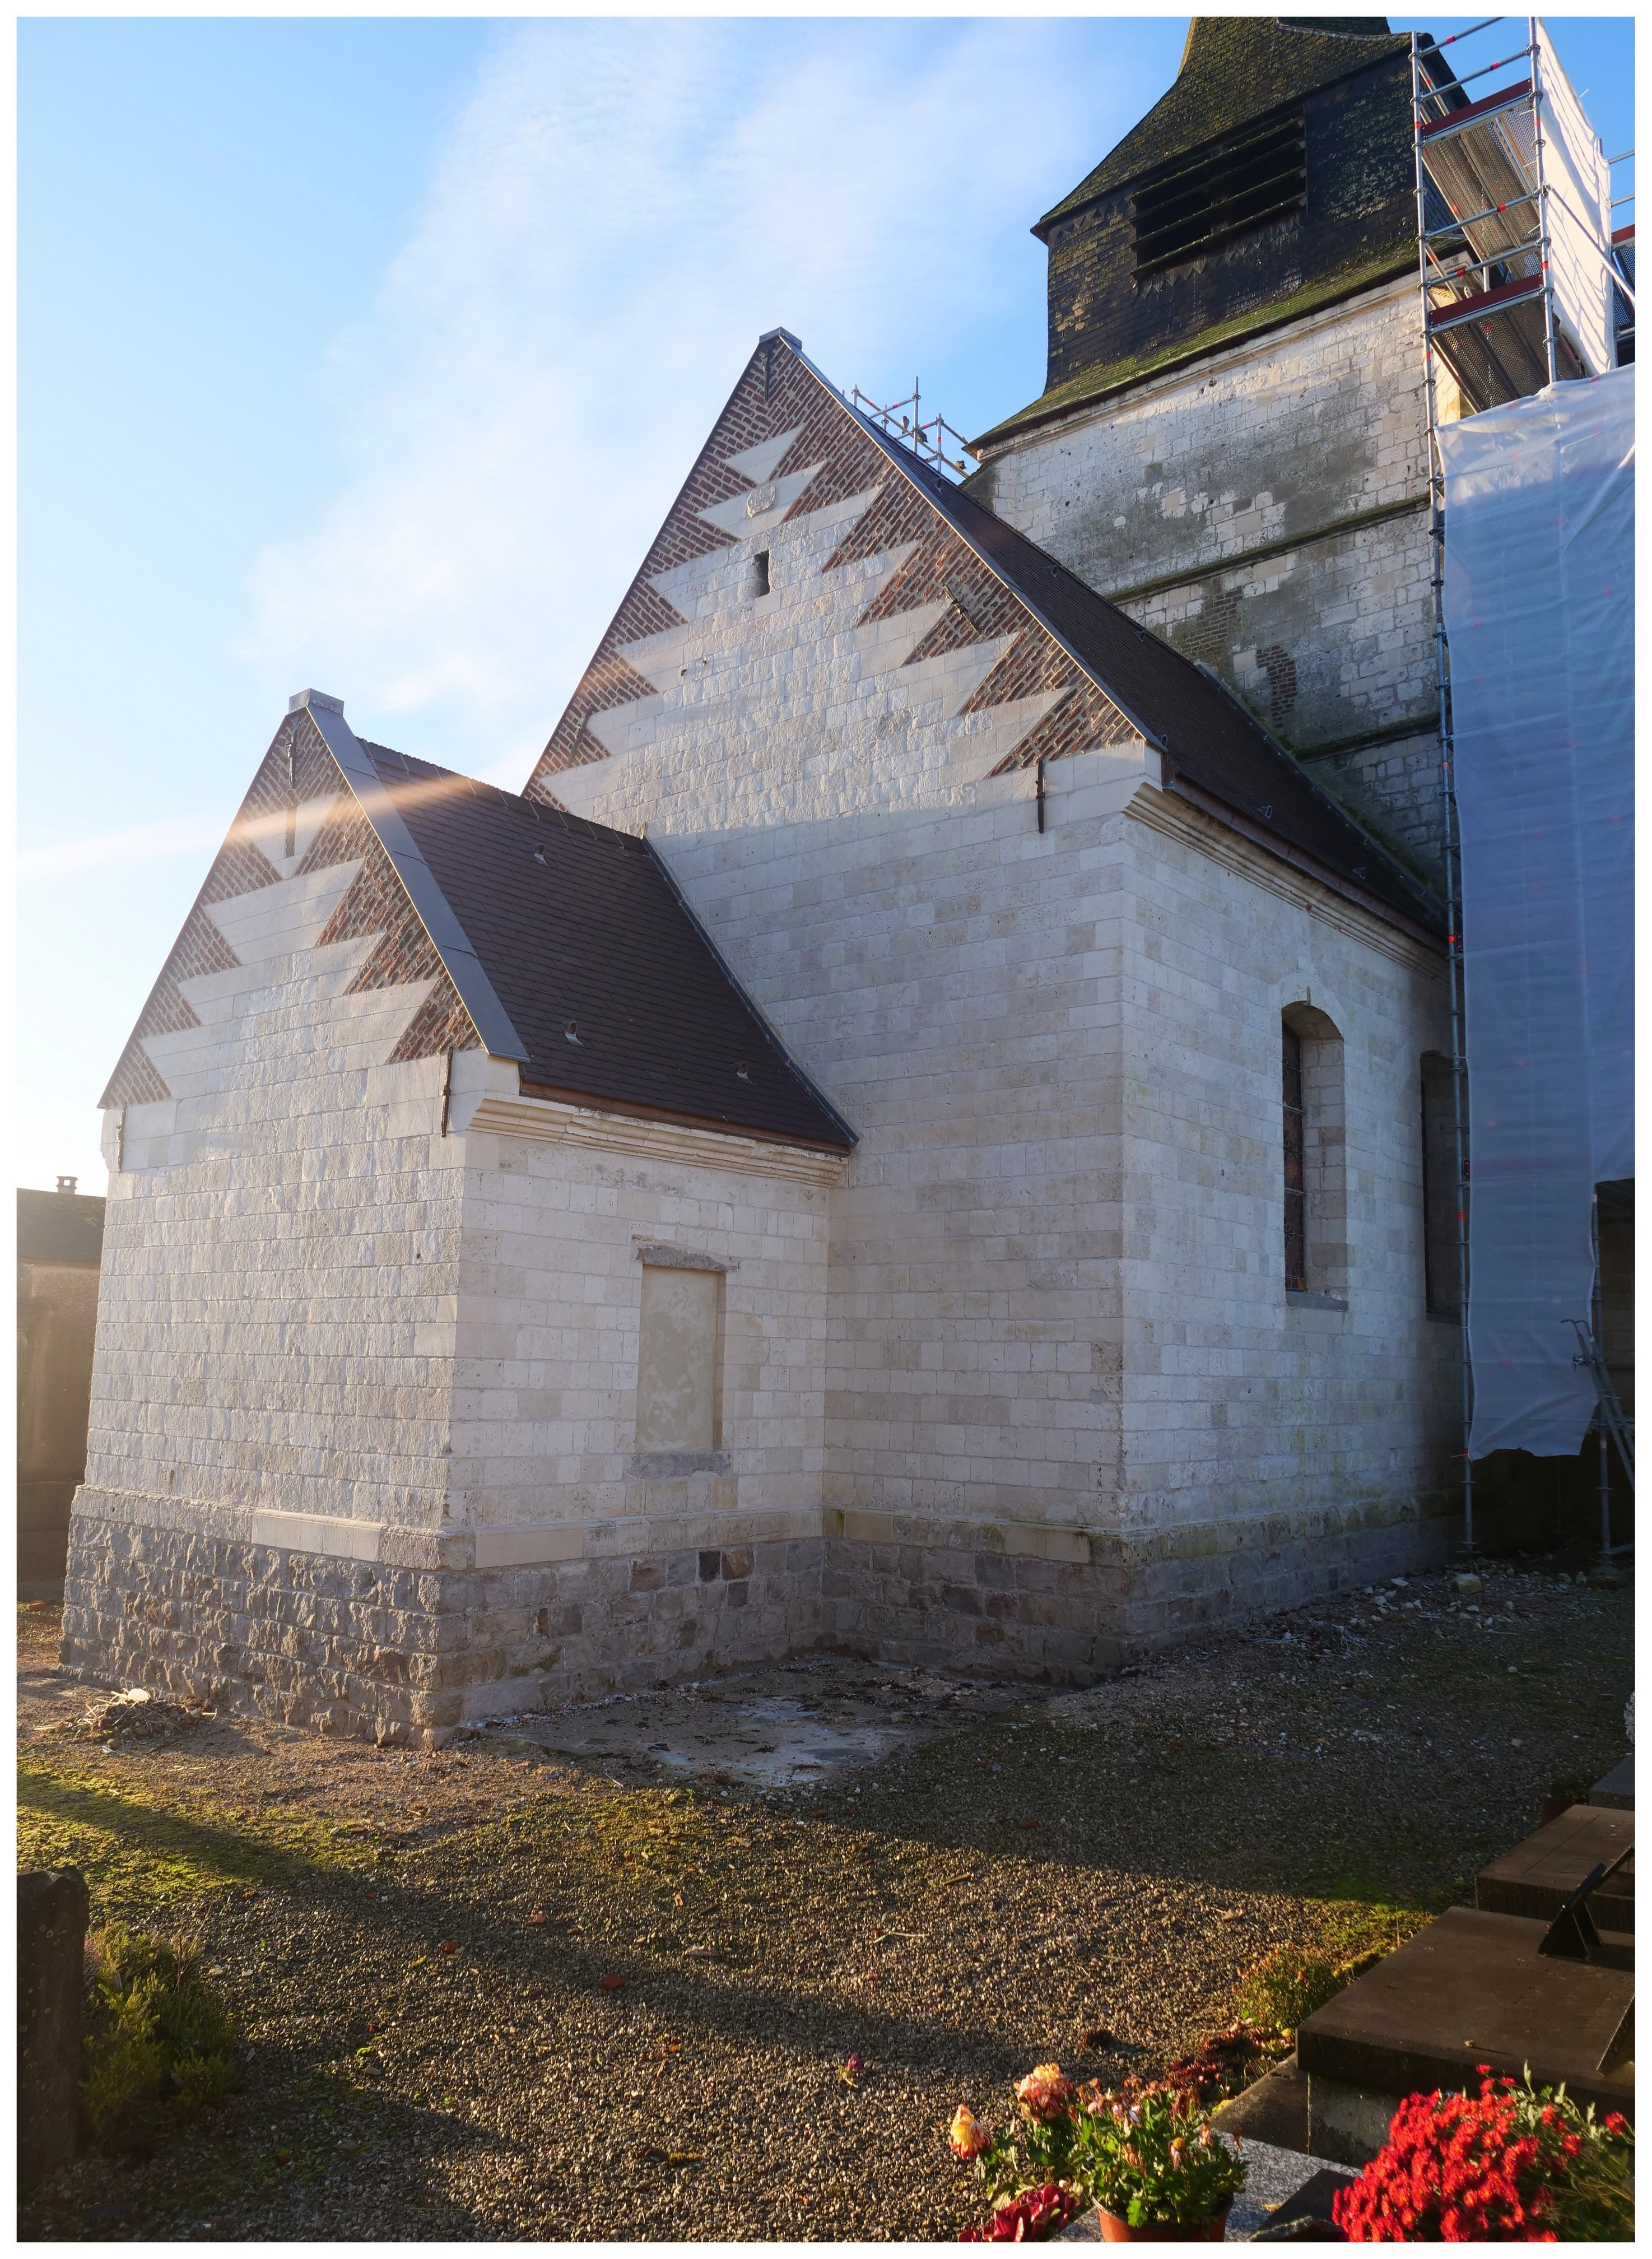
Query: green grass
(141, 1853)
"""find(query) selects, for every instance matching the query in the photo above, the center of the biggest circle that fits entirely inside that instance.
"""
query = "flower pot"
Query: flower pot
(1114, 2230)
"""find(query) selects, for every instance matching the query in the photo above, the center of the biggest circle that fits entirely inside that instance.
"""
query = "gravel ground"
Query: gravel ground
(416, 1944)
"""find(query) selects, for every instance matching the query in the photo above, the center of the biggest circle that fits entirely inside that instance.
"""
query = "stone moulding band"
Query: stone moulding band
(1270, 864)
(1241, 559)
(394, 1545)
(550, 1121)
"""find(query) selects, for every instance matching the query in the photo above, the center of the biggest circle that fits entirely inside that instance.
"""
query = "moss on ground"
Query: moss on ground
(145, 1849)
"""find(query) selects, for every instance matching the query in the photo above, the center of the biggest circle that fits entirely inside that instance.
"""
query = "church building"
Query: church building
(909, 1137)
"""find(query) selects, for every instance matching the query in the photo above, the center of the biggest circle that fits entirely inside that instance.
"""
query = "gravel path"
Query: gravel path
(416, 1945)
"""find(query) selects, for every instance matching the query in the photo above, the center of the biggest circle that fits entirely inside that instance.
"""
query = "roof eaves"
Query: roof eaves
(465, 968)
(1428, 905)
(1107, 380)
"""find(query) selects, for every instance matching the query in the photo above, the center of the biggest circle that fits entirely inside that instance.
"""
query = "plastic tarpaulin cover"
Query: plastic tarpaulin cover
(1579, 182)
(1538, 610)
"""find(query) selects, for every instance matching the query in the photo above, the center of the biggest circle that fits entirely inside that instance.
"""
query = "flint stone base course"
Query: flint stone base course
(408, 1656)
(923, 1599)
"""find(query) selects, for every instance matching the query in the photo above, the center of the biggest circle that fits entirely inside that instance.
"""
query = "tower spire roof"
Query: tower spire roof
(1234, 69)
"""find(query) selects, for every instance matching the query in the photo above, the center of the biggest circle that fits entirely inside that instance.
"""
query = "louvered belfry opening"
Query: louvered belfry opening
(1295, 1167)
(1195, 202)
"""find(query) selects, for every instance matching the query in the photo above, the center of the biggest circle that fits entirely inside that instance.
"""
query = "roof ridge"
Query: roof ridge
(436, 914)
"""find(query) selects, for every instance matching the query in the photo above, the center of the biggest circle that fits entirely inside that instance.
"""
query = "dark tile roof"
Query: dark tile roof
(60, 1228)
(1212, 742)
(579, 925)
(1235, 69)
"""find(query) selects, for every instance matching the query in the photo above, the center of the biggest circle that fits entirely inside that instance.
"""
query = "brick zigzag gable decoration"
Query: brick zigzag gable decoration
(298, 769)
(778, 396)
(944, 567)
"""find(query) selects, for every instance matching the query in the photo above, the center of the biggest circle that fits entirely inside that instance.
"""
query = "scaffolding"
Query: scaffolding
(1521, 288)
(902, 420)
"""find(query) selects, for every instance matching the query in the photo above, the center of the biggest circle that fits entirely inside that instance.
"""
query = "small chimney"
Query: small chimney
(67, 1184)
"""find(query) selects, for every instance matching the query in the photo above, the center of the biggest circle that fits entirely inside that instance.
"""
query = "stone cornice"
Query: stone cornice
(552, 1121)
(1223, 838)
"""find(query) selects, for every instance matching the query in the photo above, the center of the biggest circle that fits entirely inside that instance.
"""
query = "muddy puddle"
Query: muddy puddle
(784, 1726)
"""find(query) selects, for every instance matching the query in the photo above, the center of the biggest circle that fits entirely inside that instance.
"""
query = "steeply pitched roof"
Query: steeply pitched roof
(554, 942)
(612, 988)
(1113, 679)
(1234, 69)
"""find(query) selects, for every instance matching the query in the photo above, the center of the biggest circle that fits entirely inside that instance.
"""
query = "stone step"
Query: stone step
(1537, 1877)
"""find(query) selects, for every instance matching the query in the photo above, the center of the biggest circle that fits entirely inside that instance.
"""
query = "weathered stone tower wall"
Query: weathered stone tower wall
(1266, 511)
(1232, 446)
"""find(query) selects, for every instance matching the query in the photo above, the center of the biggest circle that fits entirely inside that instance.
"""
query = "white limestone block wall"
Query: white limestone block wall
(1245, 446)
(1292, 1420)
(281, 1254)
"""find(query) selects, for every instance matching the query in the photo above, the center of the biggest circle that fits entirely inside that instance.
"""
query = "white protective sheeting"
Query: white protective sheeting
(1579, 182)
(1538, 610)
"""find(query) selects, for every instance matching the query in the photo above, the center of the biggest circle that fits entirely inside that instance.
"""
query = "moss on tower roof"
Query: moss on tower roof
(1094, 384)
(1235, 69)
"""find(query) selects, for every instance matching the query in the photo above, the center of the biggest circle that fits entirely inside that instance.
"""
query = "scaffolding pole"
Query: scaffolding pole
(1449, 804)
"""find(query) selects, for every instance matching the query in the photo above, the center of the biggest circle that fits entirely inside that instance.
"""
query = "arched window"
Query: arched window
(1315, 1154)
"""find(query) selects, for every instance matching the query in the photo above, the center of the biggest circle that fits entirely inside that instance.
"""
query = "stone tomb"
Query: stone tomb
(1536, 1879)
(1472, 1988)
(1616, 1790)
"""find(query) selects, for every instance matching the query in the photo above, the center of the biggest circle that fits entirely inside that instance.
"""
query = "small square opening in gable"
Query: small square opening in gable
(1195, 202)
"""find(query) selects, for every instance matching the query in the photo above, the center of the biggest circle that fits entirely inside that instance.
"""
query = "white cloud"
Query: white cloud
(103, 850)
(619, 211)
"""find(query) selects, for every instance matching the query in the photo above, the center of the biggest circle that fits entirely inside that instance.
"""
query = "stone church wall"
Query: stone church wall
(1265, 512)
(1072, 1413)
(360, 1450)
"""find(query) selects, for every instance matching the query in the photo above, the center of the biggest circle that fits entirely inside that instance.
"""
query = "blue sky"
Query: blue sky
(369, 353)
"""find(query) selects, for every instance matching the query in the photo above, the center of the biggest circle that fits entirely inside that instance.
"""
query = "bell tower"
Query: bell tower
(1231, 439)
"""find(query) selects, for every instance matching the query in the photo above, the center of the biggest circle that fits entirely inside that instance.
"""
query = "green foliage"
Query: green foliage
(1596, 2203)
(1591, 2192)
(1286, 1985)
(1150, 2158)
(159, 2042)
